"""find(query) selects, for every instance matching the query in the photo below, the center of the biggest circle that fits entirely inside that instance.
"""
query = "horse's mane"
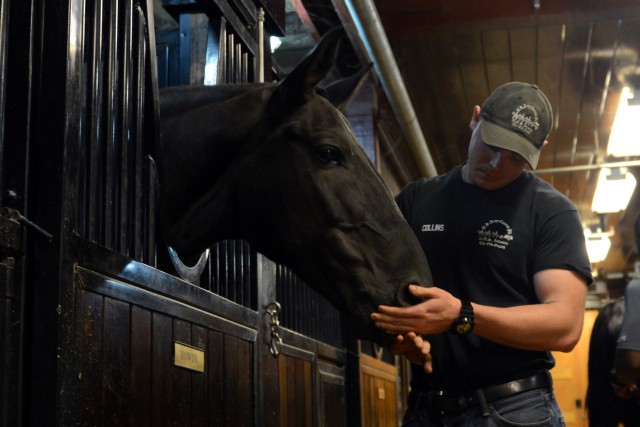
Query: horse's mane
(173, 99)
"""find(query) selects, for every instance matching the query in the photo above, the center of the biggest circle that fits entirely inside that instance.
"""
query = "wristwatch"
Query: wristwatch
(464, 324)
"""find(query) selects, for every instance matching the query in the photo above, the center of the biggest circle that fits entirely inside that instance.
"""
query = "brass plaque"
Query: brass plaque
(188, 357)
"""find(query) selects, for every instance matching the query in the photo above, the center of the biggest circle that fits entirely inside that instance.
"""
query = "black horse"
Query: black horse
(604, 407)
(278, 165)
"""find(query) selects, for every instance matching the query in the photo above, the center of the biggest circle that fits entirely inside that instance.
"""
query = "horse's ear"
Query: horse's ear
(340, 92)
(304, 78)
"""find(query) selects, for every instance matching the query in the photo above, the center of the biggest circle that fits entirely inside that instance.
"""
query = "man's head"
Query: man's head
(517, 117)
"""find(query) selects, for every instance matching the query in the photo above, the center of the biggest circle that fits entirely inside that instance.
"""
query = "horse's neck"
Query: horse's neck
(203, 128)
(175, 100)
(202, 123)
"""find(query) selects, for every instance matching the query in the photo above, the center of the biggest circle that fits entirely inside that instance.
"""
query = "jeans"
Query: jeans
(528, 409)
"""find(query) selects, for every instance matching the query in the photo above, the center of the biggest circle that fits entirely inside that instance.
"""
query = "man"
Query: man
(626, 373)
(510, 269)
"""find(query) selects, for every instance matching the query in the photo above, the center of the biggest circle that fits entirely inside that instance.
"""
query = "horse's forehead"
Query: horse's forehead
(318, 117)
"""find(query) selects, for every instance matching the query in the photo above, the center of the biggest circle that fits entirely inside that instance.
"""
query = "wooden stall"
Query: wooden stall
(97, 329)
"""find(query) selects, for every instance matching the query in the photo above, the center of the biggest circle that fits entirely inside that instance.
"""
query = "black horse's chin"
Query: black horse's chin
(367, 330)
(404, 297)
(364, 328)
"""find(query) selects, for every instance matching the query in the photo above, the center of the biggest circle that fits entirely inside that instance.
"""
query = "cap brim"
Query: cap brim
(498, 136)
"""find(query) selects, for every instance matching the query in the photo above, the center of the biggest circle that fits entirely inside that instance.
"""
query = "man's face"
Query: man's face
(491, 167)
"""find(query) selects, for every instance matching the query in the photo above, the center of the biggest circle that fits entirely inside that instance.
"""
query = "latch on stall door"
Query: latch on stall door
(275, 343)
(10, 232)
(11, 243)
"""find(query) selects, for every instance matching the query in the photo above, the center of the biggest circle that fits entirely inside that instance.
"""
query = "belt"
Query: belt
(441, 403)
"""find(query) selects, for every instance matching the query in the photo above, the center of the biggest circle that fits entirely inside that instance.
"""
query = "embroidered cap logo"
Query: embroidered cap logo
(525, 118)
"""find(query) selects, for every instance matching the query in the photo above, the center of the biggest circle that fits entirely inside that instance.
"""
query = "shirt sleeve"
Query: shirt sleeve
(405, 198)
(561, 244)
(629, 338)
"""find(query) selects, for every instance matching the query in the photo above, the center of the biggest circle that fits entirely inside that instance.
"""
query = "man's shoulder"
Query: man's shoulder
(435, 181)
(633, 287)
(546, 196)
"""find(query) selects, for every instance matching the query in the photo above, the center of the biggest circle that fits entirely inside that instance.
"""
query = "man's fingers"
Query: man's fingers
(398, 311)
(393, 328)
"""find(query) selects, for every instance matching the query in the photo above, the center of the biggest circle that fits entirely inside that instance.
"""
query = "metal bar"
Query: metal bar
(110, 158)
(185, 49)
(221, 78)
(245, 67)
(238, 66)
(231, 51)
(260, 45)
(137, 213)
(4, 31)
(214, 8)
(578, 168)
(124, 190)
(97, 94)
(370, 28)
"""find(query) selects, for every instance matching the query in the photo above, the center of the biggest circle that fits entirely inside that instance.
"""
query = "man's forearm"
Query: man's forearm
(627, 366)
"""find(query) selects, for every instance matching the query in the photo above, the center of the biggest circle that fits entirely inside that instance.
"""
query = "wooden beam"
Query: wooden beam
(420, 17)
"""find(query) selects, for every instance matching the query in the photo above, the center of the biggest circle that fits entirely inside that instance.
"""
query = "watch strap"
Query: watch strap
(465, 323)
(467, 309)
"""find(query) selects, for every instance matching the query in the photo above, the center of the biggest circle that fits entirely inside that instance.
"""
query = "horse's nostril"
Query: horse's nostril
(404, 297)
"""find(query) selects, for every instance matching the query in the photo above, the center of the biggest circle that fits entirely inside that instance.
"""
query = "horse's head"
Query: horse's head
(303, 192)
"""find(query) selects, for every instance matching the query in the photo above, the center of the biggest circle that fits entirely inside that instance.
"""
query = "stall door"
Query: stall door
(15, 212)
(103, 332)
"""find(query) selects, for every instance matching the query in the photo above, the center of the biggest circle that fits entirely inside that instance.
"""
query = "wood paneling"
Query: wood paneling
(570, 376)
(127, 374)
(379, 390)
(296, 389)
(332, 395)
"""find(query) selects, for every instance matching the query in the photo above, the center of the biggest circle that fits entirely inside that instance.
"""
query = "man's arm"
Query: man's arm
(554, 324)
(626, 373)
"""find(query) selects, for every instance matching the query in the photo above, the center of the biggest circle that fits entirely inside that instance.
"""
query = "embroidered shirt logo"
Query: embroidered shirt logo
(525, 118)
(432, 227)
(496, 234)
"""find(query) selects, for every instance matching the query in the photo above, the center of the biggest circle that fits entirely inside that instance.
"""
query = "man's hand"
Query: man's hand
(415, 348)
(623, 391)
(431, 316)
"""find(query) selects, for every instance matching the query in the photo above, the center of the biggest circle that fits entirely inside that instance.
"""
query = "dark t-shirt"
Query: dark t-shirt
(485, 246)
(629, 338)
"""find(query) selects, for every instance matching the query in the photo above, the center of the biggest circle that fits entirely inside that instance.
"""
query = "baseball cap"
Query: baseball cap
(517, 117)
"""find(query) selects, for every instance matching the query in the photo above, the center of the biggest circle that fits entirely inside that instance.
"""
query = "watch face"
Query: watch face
(463, 328)
(464, 324)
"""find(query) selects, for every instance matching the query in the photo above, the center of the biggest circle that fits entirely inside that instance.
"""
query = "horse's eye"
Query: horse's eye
(329, 154)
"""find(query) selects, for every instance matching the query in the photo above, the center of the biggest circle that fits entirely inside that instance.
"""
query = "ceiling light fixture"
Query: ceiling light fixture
(613, 191)
(598, 244)
(624, 140)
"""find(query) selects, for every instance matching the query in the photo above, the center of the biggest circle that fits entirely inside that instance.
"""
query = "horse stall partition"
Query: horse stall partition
(12, 183)
(96, 328)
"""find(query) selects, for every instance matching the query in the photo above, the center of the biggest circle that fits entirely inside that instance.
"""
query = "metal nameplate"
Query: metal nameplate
(188, 357)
